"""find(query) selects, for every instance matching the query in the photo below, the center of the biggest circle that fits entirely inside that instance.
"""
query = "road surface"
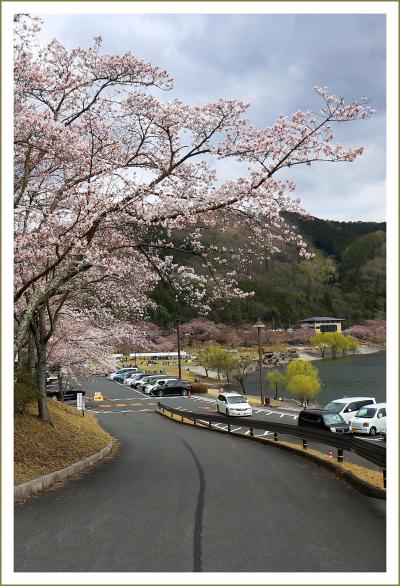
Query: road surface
(180, 499)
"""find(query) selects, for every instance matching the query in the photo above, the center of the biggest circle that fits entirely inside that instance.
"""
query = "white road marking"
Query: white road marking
(131, 399)
(124, 411)
(236, 429)
(204, 400)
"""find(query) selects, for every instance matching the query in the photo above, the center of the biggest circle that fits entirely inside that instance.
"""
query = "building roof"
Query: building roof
(321, 319)
(154, 354)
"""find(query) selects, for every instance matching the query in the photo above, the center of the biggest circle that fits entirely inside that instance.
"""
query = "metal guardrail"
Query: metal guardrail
(374, 453)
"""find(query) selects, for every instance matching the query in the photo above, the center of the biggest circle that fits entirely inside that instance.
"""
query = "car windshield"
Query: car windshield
(334, 407)
(332, 418)
(237, 399)
(366, 413)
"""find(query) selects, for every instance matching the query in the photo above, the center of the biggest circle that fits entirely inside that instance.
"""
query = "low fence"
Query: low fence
(373, 452)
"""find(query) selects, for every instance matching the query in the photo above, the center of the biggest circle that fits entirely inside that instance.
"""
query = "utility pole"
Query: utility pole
(259, 325)
(178, 335)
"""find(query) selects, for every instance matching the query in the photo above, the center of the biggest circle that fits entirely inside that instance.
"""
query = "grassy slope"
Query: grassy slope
(40, 448)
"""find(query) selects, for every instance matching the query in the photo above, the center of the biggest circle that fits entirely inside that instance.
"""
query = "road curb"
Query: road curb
(351, 479)
(27, 489)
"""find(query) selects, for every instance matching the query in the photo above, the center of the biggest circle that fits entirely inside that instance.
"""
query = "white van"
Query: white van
(370, 419)
(347, 407)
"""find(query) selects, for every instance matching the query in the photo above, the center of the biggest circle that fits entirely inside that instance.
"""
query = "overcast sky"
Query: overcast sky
(273, 62)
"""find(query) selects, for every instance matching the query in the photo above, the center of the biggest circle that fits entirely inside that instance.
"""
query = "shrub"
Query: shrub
(199, 388)
(25, 391)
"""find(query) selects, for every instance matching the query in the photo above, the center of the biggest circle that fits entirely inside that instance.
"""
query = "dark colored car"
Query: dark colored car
(70, 393)
(325, 420)
(174, 387)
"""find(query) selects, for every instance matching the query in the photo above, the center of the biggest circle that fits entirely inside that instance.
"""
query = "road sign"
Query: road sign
(79, 400)
(98, 396)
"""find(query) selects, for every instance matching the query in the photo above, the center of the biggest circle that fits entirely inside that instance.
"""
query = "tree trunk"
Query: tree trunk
(41, 382)
(31, 354)
(39, 331)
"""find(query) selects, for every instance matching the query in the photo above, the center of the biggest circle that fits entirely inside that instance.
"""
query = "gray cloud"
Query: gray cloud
(273, 62)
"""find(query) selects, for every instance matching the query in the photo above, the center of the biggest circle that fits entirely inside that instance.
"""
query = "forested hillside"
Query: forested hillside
(346, 279)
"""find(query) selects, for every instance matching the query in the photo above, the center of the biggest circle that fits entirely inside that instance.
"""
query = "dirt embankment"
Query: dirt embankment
(40, 448)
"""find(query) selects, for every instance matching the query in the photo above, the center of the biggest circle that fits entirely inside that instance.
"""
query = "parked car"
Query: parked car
(121, 376)
(51, 378)
(147, 380)
(133, 376)
(233, 404)
(156, 384)
(347, 407)
(322, 419)
(172, 387)
(136, 378)
(70, 393)
(371, 419)
(121, 370)
(141, 381)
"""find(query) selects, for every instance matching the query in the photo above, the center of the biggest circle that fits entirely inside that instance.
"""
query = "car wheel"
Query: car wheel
(160, 393)
(184, 393)
(372, 431)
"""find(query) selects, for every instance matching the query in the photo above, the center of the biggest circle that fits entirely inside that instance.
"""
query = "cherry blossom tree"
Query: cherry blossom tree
(106, 173)
(200, 330)
(372, 330)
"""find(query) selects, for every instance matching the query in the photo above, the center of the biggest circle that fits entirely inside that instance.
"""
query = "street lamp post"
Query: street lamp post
(178, 335)
(259, 325)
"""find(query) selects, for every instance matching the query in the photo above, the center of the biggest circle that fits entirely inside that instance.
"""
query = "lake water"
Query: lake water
(361, 375)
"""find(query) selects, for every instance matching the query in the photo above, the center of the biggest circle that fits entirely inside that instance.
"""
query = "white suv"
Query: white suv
(347, 407)
(370, 419)
(233, 404)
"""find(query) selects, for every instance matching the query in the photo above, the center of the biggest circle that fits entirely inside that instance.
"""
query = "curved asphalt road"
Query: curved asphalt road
(181, 499)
